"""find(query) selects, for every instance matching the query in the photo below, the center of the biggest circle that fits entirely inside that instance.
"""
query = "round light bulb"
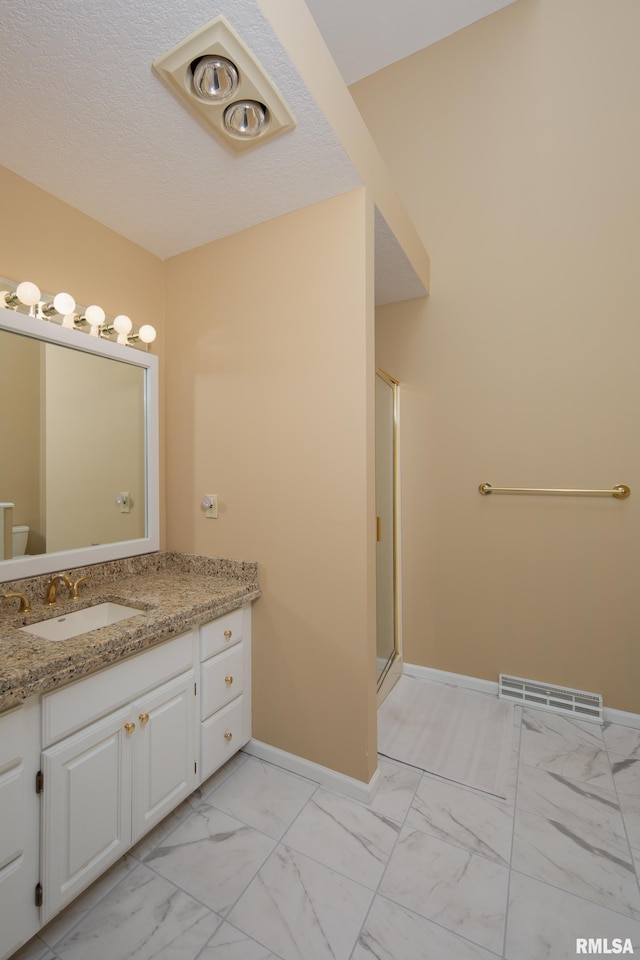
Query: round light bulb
(94, 316)
(246, 118)
(28, 293)
(215, 78)
(147, 333)
(122, 324)
(64, 304)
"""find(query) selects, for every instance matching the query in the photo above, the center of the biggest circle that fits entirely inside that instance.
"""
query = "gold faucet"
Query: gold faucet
(52, 588)
(24, 607)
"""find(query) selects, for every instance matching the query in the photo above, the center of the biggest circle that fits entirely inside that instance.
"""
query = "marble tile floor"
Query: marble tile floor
(260, 864)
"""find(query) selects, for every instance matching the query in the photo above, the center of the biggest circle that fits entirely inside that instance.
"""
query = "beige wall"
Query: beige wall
(522, 368)
(59, 248)
(270, 405)
(269, 383)
(299, 34)
(95, 449)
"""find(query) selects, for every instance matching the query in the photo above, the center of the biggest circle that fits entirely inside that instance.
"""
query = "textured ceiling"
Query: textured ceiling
(90, 123)
(83, 116)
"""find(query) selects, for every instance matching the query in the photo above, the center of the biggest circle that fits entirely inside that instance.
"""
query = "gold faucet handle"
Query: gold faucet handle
(73, 590)
(25, 605)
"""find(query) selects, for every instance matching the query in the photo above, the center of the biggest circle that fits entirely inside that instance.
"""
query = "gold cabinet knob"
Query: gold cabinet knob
(129, 727)
(143, 718)
(228, 681)
(228, 736)
(228, 634)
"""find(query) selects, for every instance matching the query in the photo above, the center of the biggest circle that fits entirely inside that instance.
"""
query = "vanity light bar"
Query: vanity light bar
(62, 309)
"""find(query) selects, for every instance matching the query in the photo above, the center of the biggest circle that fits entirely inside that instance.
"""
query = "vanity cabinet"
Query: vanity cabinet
(86, 770)
(113, 779)
(225, 679)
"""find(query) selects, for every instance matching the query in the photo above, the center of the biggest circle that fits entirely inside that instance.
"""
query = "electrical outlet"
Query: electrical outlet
(211, 507)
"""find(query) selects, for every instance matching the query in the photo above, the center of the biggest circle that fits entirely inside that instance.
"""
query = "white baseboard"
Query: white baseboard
(611, 715)
(349, 786)
(622, 717)
(459, 679)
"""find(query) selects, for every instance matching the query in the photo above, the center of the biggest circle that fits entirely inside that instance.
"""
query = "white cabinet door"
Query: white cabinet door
(12, 886)
(12, 896)
(164, 751)
(19, 825)
(86, 824)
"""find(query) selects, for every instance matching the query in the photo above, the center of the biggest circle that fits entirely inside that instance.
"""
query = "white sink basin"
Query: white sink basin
(81, 621)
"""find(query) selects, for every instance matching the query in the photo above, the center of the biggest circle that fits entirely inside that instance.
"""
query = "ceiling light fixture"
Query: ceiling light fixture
(215, 75)
(246, 118)
(215, 79)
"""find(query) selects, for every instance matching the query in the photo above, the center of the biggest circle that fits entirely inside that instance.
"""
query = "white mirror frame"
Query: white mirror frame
(32, 566)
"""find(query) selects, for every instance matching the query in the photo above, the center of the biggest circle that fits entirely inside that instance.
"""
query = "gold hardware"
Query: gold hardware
(143, 718)
(129, 727)
(73, 592)
(621, 491)
(228, 736)
(24, 607)
(228, 634)
(378, 529)
(50, 597)
(228, 681)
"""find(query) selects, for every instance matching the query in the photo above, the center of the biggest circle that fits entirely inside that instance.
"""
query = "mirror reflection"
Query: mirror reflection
(72, 436)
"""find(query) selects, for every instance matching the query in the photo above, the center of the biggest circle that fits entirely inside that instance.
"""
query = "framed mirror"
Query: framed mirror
(78, 448)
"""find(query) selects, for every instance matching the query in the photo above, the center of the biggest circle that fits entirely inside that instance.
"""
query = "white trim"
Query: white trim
(611, 715)
(459, 679)
(349, 786)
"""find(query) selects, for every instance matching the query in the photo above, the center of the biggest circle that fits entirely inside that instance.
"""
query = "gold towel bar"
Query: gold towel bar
(621, 491)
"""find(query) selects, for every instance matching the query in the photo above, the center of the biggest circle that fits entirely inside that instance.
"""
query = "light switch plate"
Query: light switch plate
(212, 512)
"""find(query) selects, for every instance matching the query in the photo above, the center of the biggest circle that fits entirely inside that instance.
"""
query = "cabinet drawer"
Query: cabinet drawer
(222, 736)
(222, 680)
(219, 634)
(92, 697)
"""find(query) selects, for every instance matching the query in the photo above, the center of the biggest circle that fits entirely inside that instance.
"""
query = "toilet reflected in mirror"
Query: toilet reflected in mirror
(19, 540)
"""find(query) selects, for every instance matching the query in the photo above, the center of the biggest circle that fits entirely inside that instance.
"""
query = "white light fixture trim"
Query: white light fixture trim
(183, 70)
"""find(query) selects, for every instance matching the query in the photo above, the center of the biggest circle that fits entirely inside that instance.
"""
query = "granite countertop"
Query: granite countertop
(174, 592)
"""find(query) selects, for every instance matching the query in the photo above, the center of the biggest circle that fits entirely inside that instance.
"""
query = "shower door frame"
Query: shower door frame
(392, 670)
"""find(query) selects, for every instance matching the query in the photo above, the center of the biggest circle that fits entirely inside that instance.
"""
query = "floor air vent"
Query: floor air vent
(546, 696)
